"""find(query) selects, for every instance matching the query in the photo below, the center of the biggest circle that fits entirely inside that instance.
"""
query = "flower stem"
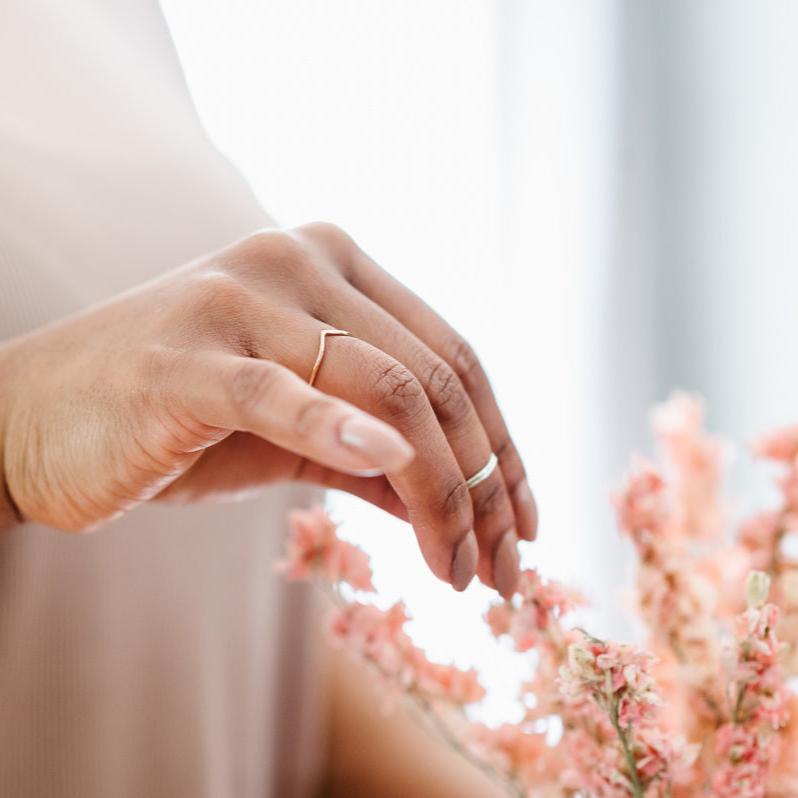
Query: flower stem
(738, 704)
(637, 788)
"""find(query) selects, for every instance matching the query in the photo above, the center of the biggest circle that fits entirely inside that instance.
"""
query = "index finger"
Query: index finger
(373, 281)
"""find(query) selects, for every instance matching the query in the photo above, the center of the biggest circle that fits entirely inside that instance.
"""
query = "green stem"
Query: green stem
(738, 705)
(637, 788)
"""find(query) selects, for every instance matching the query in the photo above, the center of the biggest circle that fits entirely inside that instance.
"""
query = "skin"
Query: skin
(195, 386)
(388, 756)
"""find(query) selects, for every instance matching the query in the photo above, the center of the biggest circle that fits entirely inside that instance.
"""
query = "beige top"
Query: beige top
(144, 660)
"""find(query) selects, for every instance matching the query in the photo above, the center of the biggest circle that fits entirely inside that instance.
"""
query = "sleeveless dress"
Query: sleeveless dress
(161, 656)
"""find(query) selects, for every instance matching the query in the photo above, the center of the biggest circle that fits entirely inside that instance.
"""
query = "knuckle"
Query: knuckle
(288, 248)
(327, 233)
(258, 241)
(215, 287)
(333, 242)
(397, 391)
(276, 248)
(492, 501)
(446, 393)
(285, 264)
(455, 509)
(251, 385)
(465, 363)
(311, 416)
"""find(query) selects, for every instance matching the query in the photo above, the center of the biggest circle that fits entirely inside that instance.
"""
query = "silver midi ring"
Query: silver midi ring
(320, 356)
(483, 472)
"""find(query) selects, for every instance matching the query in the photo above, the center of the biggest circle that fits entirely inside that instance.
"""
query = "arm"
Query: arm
(388, 756)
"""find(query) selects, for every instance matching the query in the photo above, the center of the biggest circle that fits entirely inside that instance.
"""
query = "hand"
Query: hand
(196, 384)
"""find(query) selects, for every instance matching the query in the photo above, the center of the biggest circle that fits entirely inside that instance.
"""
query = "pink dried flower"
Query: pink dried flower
(614, 675)
(789, 487)
(518, 751)
(535, 612)
(594, 724)
(620, 750)
(743, 763)
(759, 693)
(747, 746)
(783, 776)
(780, 445)
(641, 503)
(446, 682)
(378, 636)
(499, 617)
(594, 767)
(695, 461)
(761, 534)
(314, 548)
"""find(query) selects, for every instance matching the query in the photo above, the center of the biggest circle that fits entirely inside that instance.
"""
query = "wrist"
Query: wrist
(10, 515)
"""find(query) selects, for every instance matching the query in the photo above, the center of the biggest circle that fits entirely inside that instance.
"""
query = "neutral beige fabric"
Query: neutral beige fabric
(152, 659)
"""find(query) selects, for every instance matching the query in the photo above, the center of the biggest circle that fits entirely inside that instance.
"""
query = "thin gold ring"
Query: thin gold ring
(320, 356)
(483, 472)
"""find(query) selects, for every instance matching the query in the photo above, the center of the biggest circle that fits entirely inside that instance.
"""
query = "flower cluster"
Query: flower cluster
(759, 700)
(315, 548)
(703, 709)
(766, 537)
(374, 635)
(616, 700)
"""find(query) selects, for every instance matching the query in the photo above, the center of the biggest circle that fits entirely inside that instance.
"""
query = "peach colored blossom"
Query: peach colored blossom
(695, 462)
(521, 753)
(314, 547)
(707, 710)
(780, 445)
(641, 503)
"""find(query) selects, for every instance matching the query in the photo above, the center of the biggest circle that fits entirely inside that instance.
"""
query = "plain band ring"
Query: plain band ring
(483, 472)
(320, 356)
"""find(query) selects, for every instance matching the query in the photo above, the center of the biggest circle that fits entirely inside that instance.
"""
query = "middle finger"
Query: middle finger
(494, 519)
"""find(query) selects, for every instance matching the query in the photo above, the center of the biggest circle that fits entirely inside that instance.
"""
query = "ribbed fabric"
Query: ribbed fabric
(151, 659)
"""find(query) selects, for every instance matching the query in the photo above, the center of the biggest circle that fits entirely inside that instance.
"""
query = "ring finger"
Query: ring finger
(494, 519)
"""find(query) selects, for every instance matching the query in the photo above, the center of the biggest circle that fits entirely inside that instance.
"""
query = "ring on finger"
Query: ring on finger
(483, 472)
(322, 348)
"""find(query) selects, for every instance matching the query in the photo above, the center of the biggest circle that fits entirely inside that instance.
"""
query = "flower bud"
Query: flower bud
(581, 662)
(757, 588)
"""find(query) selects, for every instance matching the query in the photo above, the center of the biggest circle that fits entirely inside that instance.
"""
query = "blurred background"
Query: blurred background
(601, 196)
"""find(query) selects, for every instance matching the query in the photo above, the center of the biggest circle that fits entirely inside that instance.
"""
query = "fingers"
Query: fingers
(367, 277)
(377, 491)
(244, 463)
(262, 397)
(433, 488)
(494, 517)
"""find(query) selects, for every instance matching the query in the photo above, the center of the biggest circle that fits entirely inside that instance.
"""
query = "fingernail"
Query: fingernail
(526, 509)
(379, 444)
(505, 564)
(464, 562)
